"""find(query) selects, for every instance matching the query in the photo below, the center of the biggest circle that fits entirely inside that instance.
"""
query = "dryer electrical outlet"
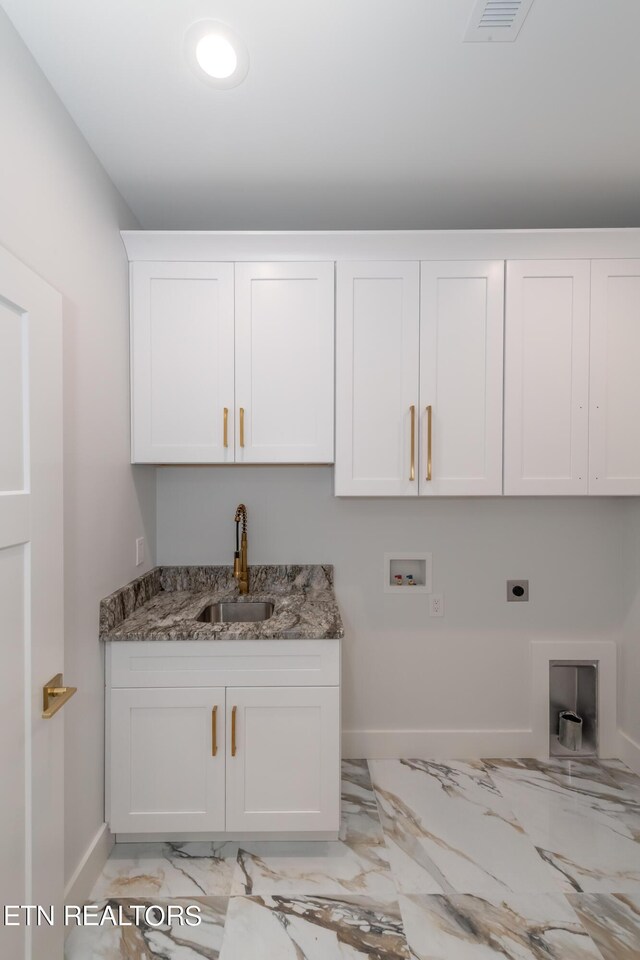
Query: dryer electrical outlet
(517, 591)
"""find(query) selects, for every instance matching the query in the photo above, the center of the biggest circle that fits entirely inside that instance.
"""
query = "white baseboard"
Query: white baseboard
(88, 870)
(629, 751)
(436, 744)
(183, 837)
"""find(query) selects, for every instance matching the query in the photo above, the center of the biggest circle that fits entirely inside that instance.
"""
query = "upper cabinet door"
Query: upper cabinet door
(378, 322)
(546, 377)
(284, 362)
(461, 350)
(614, 432)
(182, 362)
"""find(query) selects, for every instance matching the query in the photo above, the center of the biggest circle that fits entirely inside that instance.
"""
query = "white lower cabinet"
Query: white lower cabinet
(223, 759)
(165, 771)
(281, 775)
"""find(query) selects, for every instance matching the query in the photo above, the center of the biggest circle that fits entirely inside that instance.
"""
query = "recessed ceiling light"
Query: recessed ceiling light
(216, 53)
(216, 56)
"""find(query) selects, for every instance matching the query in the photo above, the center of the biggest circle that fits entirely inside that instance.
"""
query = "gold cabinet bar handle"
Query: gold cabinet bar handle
(54, 696)
(242, 426)
(412, 471)
(225, 421)
(214, 732)
(233, 731)
(429, 412)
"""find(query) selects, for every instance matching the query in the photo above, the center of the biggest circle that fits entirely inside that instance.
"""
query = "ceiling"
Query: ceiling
(354, 113)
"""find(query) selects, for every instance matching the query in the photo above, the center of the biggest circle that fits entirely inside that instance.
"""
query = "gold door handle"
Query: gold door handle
(242, 426)
(429, 412)
(54, 696)
(412, 471)
(214, 731)
(234, 710)
(225, 421)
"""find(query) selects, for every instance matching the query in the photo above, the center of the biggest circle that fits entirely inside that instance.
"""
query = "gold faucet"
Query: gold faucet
(240, 557)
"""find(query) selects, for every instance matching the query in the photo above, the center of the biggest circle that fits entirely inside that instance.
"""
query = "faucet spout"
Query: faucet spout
(240, 557)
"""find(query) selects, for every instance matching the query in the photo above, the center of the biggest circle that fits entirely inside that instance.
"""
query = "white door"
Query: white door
(283, 759)
(167, 759)
(182, 363)
(546, 436)
(614, 419)
(461, 349)
(31, 605)
(377, 362)
(284, 362)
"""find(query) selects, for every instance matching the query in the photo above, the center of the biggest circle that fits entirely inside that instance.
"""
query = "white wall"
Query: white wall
(403, 670)
(629, 670)
(60, 214)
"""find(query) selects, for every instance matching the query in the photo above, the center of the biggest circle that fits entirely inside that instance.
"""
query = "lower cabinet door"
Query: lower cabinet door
(283, 759)
(167, 760)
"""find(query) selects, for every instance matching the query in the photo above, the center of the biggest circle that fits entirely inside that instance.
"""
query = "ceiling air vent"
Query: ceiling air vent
(496, 21)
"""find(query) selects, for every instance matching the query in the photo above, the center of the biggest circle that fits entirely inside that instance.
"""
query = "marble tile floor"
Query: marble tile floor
(460, 860)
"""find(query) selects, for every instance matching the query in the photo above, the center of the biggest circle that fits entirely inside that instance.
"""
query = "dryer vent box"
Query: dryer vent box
(573, 687)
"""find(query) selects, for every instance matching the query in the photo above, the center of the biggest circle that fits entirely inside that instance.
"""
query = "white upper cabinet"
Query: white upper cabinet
(546, 444)
(181, 362)
(419, 378)
(448, 380)
(232, 376)
(614, 421)
(461, 350)
(284, 362)
(377, 336)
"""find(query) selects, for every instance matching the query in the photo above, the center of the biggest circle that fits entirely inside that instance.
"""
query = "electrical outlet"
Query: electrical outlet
(139, 551)
(436, 605)
(517, 591)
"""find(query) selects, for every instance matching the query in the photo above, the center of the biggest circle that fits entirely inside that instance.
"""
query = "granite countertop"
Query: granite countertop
(164, 603)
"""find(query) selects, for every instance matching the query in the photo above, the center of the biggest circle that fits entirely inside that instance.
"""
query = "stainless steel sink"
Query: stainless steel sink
(234, 611)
